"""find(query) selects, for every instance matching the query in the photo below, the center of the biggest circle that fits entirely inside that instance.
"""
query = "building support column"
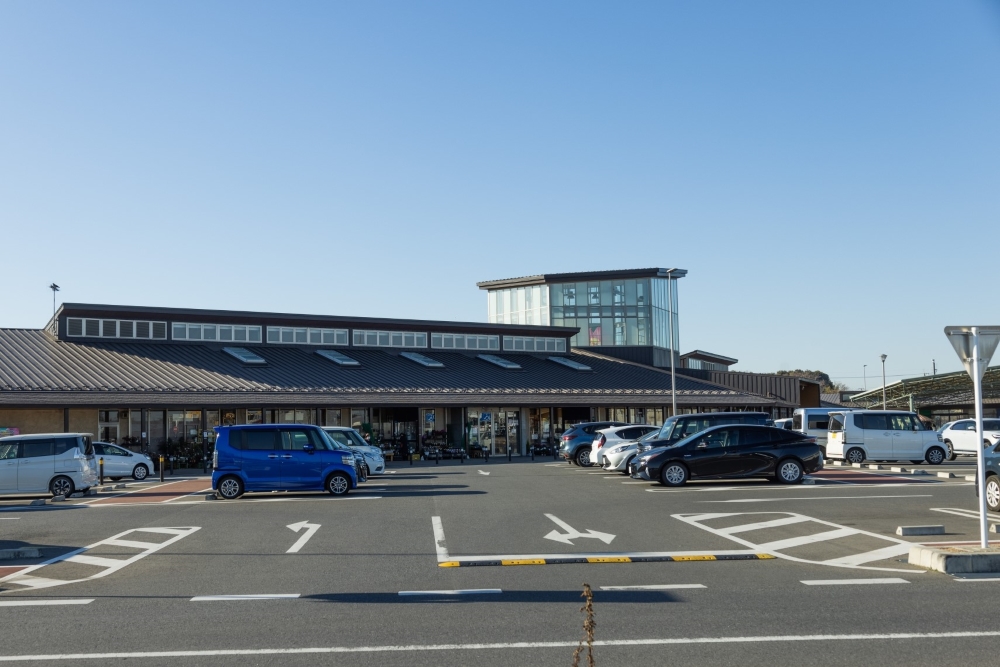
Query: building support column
(65, 420)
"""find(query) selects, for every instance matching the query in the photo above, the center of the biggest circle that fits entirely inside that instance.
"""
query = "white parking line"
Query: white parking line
(852, 582)
(261, 596)
(442, 551)
(651, 587)
(771, 500)
(460, 591)
(502, 646)
(110, 565)
(42, 603)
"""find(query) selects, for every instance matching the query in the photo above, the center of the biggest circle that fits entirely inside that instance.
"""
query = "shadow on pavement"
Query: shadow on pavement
(571, 596)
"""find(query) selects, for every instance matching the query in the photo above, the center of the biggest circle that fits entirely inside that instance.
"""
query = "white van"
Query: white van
(882, 435)
(56, 463)
(814, 422)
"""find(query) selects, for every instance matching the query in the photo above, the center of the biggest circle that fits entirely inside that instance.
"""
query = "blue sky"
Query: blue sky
(827, 172)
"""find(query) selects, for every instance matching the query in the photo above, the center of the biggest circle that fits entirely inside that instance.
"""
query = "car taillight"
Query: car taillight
(566, 438)
(601, 441)
(215, 459)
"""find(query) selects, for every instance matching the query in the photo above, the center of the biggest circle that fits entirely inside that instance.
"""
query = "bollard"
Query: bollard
(100, 467)
(532, 453)
(171, 465)
(508, 453)
(161, 467)
(437, 455)
(409, 456)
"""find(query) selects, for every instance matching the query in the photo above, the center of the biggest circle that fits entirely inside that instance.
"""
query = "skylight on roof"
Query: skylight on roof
(569, 363)
(499, 361)
(418, 358)
(338, 358)
(244, 355)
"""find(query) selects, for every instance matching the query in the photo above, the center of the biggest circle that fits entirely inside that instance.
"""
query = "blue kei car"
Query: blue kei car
(280, 457)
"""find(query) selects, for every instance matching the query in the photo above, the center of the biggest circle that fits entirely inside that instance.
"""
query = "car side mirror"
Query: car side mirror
(309, 449)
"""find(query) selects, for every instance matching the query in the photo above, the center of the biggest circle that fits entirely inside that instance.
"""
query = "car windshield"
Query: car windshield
(666, 429)
(356, 439)
(652, 435)
(331, 443)
(991, 424)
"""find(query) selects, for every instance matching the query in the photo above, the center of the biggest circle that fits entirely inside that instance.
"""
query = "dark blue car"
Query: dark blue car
(280, 457)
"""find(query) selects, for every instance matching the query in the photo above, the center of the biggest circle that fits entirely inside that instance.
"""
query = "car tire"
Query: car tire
(627, 464)
(951, 450)
(61, 486)
(583, 457)
(935, 455)
(789, 471)
(993, 493)
(140, 472)
(855, 455)
(673, 474)
(230, 487)
(338, 484)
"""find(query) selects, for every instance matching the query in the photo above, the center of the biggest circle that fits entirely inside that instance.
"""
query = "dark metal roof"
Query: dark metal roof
(581, 276)
(931, 391)
(709, 356)
(195, 315)
(38, 369)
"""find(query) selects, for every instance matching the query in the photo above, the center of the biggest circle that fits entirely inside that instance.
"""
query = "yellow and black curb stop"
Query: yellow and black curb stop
(601, 559)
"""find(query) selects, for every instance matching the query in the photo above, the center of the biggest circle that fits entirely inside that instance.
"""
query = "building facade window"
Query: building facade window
(244, 333)
(616, 312)
(304, 336)
(367, 338)
(77, 326)
(520, 305)
(443, 341)
(531, 344)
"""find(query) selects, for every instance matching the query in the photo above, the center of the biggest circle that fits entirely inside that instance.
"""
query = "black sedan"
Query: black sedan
(735, 451)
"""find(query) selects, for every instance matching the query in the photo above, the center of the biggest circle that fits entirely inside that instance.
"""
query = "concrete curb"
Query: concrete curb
(58, 499)
(874, 466)
(23, 552)
(920, 530)
(955, 560)
(946, 475)
(855, 465)
(970, 478)
(38, 503)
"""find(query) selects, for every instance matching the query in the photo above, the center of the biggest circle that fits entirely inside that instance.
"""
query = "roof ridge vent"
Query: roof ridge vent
(244, 355)
(569, 363)
(421, 359)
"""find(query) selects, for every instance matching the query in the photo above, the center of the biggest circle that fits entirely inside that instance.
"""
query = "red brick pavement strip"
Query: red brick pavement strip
(9, 570)
(158, 494)
(869, 478)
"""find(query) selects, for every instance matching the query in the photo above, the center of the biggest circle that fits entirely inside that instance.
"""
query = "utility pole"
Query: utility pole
(933, 367)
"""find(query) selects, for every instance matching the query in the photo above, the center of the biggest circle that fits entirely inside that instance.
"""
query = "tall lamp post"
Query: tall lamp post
(671, 306)
(54, 288)
(864, 372)
(883, 382)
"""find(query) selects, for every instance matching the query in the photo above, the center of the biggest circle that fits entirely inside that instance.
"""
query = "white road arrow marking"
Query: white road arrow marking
(483, 473)
(310, 529)
(572, 533)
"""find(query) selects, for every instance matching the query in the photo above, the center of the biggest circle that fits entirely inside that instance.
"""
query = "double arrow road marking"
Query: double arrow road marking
(572, 533)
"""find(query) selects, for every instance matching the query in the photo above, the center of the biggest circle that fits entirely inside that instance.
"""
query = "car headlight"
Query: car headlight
(619, 449)
(347, 459)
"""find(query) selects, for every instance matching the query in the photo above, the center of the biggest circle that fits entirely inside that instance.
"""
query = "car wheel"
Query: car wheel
(61, 486)
(231, 487)
(583, 457)
(855, 455)
(993, 493)
(673, 474)
(338, 484)
(935, 455)
(627, 465)
(789, 472)
(140, 472)
(951, 450)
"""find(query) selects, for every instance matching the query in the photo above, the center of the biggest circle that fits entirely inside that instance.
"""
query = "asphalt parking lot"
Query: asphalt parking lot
(448, 564)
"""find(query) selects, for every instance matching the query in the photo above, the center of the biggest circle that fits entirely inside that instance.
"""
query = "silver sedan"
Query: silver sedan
(618, 457)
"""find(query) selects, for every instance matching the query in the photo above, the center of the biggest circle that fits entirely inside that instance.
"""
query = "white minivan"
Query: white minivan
(813, 422)
(56, 463)
(882, 435)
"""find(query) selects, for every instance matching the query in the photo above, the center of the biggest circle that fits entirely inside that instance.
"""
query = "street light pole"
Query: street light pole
(883, 382)
(864, 372)
(671, 282)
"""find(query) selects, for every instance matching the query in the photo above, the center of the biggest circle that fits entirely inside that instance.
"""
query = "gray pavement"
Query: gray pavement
(384, 539)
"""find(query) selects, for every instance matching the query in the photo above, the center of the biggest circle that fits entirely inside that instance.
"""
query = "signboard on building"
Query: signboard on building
(9, 430)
